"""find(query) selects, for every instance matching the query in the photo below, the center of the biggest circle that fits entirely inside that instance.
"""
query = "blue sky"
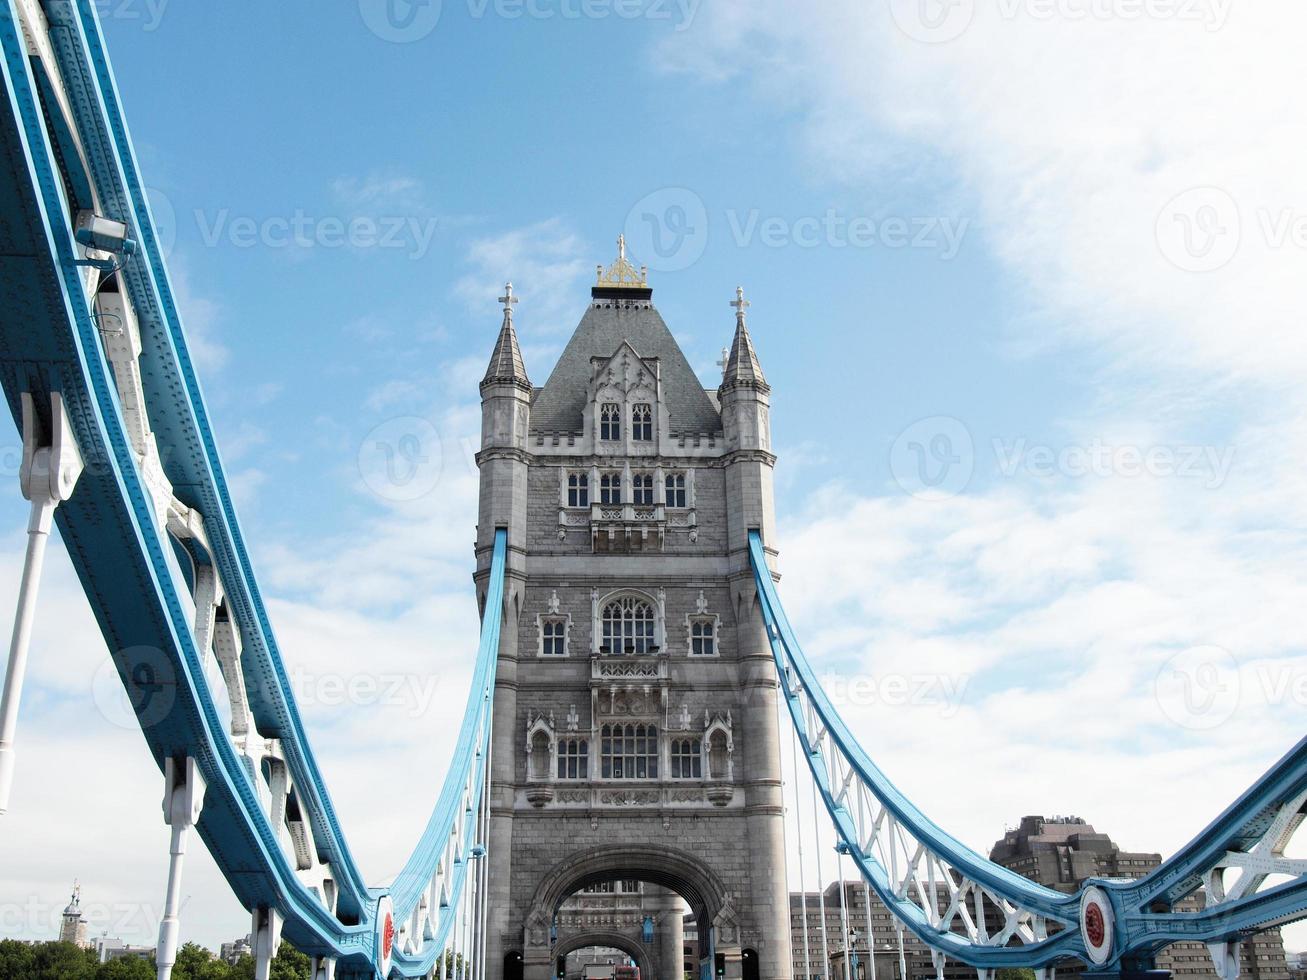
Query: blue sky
(1040, 452)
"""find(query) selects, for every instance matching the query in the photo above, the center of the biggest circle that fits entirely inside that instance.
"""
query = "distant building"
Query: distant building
(231, 952)
(112, 948)
(1298, 966)
(1061, 852)
(812, 946)
(73, 927)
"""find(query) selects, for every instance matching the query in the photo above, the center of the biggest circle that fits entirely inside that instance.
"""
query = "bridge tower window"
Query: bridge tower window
(610, 489)
(641, 423)
(687, 758)
(628, 626)
(573, 759)
(675, 484)
(610, 422)
(578, 490)
(553, 637)
(703, 638)
(629, 751)
(642, 489)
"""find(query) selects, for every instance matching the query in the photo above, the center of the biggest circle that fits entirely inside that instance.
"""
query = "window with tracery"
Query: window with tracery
(573, 759)
(610, 422)
(629, 751)
(642, 423)
(578, 490)
(642, 489)
(628, 626)
(687, 758)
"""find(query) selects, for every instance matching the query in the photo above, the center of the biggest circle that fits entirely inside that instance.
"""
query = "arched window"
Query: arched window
(573, 759)
(642, 423)
(610, 489)
(610, 422)
(553, 637)
(687, 758)
(642, 487)
(675, 484)
(628, 626)
(578, 490)
(629, 751)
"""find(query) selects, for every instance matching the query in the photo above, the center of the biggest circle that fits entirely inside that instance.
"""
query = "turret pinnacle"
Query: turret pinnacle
(506, 365)
(742, 367)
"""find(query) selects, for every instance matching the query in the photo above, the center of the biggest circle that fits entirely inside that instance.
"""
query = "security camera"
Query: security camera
(103, 234)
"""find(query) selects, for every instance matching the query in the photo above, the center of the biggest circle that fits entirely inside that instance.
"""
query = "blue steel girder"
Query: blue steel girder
(65, 147)
(1248, 839)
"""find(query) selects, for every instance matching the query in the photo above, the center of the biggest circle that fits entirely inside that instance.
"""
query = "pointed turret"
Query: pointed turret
(742, 367)
(506, 364)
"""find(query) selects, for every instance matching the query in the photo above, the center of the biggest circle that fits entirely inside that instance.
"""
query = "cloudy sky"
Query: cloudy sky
(1047, 545)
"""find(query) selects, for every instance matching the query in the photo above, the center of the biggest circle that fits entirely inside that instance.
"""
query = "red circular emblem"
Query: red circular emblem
(1095, 927)
(388, 936)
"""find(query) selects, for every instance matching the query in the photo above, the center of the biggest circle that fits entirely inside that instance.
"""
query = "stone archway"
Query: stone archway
(615, 940)
(673, 869)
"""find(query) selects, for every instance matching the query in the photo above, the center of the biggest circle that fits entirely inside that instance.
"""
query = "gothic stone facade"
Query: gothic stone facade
(635, 726)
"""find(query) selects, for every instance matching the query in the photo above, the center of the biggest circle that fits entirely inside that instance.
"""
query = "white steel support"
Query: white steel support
(322, 968)
(183, 799)
(265, 930)
(48, 474)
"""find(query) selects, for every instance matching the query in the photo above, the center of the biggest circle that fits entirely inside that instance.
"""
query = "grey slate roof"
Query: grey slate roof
(742, 365)
(506, 362)
(560, 405)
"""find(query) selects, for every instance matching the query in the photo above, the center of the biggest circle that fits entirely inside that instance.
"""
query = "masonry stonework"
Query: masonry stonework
(635, 727)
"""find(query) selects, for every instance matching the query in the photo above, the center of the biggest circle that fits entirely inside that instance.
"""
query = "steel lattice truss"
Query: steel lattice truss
(96, 359)
(962, 905)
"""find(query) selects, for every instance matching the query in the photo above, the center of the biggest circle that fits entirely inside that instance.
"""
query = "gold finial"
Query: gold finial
(622, 274)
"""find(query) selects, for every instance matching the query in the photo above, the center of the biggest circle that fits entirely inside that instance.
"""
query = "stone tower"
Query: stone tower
(72, 929)
(635, 726)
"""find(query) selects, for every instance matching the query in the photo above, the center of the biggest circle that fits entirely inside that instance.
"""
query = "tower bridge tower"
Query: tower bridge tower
(635, 727)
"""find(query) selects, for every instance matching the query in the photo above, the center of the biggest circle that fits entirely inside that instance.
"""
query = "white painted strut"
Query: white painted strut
(183, 799)
(266, 931)
(48, 475)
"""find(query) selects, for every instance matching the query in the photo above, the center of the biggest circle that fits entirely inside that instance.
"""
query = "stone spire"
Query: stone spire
(506, 365)
(742, 367)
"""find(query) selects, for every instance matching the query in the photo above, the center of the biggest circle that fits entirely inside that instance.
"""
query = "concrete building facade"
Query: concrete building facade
(635, 727)
(1061, 852)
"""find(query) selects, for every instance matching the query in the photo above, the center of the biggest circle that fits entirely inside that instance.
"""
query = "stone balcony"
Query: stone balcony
(627, 527)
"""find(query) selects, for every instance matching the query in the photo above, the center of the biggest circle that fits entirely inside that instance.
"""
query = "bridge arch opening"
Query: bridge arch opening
(571, 956)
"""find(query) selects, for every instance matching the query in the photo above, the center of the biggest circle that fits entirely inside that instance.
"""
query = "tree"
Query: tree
(15, 960)
(127, 968)
(1015, 973)
(61, 961)
(289, 964)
